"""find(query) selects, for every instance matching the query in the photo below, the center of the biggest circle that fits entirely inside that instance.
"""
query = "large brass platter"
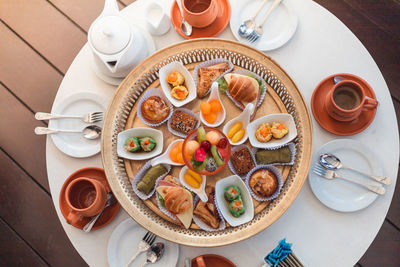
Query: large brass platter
(282, 97)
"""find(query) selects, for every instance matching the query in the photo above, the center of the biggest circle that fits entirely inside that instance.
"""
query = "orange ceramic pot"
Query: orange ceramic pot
(199, 13)
(85, 197)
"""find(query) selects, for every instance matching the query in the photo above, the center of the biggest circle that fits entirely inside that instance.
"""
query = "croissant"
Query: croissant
(242, 88)
(176, 199)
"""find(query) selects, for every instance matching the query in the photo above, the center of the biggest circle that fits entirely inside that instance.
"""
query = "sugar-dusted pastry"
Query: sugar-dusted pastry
(242, 161)
(207, 211)
(263, 183)
(154, 109)
(263, 133)
(183, 122)
(179, 92)
(175, 78)
(236, 207)
(149, 179)
(279, 130)
(242, 88)
(207, 75)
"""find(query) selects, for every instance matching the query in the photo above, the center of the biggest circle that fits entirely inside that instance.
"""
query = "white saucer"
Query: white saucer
(74, 144)
(124, 242)
(277, 30)
(116, 81)
(341, 195)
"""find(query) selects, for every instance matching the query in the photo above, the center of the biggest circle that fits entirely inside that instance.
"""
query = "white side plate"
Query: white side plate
(124, 241)
(74, 144)
(139, 132)
(341, 195)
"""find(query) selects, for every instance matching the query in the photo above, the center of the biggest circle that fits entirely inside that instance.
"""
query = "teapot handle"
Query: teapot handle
(110, 8)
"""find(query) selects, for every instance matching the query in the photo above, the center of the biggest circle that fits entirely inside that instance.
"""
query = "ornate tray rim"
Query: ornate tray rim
(111, 162)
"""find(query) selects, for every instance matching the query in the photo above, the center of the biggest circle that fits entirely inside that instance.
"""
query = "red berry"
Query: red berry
(222, 143)
(206, 145)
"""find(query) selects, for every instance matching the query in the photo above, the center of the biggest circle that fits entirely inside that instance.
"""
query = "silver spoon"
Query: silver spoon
(90, 132)
(332, 162)
(185, 26)
(155, 253)
(110, 201)
(247, 27)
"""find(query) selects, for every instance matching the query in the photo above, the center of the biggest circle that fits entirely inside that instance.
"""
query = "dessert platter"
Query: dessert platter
(235, 147)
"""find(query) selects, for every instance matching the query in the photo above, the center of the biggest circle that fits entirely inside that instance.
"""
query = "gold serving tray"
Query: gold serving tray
(282, 97)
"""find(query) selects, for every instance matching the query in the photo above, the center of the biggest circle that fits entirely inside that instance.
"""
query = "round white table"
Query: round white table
(321, 46)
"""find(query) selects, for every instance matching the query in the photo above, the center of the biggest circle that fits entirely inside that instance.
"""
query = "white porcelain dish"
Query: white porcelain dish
(223, 204)
(139, 132)
(277, 30)
(74, 144)
(164, 158)
(243, 117)
(284, 118)
(221, 115)
(341, 195)
(201, 192)
(123, 243)
(189, 83)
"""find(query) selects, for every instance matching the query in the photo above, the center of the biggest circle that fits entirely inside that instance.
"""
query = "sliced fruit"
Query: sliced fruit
(195, 175)
(201, 167)
(222, 152)
(239, 135)
(213, 137)
(191, 181)
(205, 108)
(201, 134)
(235, 128)
(191, 147)
(216, 156)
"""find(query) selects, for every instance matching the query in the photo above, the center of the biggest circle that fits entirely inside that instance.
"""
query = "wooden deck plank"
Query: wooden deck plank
(19, 140)
(383, 47)
(35, 86)
(41, 25)
(31, 213)
(385, 249)
(81, 12)
(14, 251)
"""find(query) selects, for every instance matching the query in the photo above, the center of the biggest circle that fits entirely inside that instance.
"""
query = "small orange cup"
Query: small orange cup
(199, 13)
(86, 197)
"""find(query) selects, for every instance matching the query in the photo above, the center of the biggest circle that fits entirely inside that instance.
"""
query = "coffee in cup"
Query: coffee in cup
(199, 13)
(346, 100)
(85, 197)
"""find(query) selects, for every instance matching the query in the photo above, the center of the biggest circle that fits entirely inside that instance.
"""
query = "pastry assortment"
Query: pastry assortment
(206, 150)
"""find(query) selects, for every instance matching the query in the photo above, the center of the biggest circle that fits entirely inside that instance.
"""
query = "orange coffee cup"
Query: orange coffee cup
(199, 13)
(85, 197)
(347, 100)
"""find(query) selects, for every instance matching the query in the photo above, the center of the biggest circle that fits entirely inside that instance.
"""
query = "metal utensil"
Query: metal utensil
(247, 27)
(88, 118)
(332, 162)
(338, 79)
(185, 26)
(188, 262)
(258, 31)
(329, 174)
(155, 253)
(90, 132)
(111, 200)
(144, 245)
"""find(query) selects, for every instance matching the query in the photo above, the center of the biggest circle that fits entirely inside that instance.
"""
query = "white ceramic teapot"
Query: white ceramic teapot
(117, 45)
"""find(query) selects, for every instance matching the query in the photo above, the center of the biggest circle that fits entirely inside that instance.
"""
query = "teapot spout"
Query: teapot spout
(110, 8)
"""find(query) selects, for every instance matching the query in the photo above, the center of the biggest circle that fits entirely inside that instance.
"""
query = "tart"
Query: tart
(263, 183)
(263, 133)
(279, 130)
(154, 109)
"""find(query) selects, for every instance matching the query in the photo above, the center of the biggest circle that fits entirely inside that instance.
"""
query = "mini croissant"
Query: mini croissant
(242, 88)
(176, 199)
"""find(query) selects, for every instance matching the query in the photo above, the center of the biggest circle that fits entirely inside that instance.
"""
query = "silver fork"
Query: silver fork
(88, 118)
(329, 174)
(144, 245)
(258, 31)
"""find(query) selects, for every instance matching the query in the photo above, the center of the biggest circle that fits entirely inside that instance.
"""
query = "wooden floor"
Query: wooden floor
(38, 41)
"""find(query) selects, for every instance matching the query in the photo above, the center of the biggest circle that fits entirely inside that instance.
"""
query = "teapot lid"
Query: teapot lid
(110, 34)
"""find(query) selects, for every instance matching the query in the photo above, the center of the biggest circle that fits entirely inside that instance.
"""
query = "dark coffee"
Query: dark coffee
(347, 97)
(197, 6)
(82, 195)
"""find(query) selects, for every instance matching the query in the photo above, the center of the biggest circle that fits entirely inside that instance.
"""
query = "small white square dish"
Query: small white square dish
(284, 118)
(167, 88)
(139, 132)
(220, 186)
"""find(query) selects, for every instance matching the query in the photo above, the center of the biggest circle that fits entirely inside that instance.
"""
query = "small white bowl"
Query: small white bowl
(164, 158)
(139, 132)
(284, 118)
(243, 117)
(166, 87)
(214, 94)
(223, 204)
(201, 191)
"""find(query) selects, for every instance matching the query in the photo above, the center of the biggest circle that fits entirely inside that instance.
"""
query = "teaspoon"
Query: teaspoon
(247, 27)
(185, 26)
(155, 253)
(332, 162)
(111, 200)
(90, 132)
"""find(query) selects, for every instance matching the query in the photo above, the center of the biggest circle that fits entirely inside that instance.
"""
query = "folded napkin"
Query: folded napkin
(279, 253)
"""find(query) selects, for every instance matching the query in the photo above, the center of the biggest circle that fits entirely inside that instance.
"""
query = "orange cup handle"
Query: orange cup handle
(200, 262)
(73, 217)
(370, 103)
